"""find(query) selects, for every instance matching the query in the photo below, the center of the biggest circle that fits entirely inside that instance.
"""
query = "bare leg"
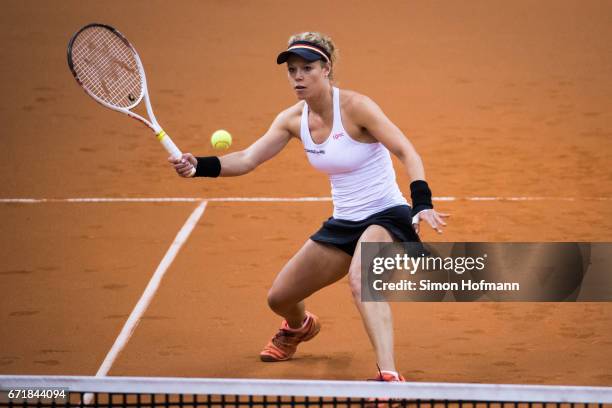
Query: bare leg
(376, 316)
(312, 268)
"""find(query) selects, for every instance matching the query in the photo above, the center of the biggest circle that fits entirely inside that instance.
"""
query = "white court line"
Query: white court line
(264, 199)
(149, 292)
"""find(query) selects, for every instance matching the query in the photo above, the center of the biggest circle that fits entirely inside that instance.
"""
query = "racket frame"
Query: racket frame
(162, 136)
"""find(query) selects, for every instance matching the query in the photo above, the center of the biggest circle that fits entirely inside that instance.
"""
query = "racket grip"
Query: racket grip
(169, 145)
(171, 148)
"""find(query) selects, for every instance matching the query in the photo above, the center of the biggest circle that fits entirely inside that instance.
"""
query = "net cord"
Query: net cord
(301, 388)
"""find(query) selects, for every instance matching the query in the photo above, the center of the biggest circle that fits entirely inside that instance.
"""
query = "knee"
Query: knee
(355, 283)
(276, 302)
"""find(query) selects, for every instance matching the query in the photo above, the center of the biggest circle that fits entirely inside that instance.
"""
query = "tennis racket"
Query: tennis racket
(109, 69)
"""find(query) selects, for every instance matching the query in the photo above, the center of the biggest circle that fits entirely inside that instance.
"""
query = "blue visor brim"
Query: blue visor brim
(308, 55)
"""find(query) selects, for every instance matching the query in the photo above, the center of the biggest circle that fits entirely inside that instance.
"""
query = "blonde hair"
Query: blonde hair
(323, 41)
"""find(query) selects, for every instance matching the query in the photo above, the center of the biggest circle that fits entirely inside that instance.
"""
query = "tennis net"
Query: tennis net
(77, 391)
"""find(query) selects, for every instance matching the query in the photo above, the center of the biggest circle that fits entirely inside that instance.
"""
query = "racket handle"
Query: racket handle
(171, 148)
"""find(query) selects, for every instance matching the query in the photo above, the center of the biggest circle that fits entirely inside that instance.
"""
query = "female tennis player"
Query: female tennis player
(346, 135)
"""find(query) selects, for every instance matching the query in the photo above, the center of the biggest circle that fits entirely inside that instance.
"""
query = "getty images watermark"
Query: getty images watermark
(485, 272)
(412, 264)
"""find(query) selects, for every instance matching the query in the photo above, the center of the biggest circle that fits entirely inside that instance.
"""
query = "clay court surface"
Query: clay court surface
(501, 99)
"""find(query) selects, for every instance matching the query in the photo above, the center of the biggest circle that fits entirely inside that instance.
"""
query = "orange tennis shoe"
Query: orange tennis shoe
(385, 376)
(284, 344)
(388, 376)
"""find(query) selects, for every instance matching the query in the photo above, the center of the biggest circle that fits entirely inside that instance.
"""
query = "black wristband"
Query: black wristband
(421, 196)
(209, 166)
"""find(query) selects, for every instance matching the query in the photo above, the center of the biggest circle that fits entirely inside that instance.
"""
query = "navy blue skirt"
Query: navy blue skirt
(345, 234)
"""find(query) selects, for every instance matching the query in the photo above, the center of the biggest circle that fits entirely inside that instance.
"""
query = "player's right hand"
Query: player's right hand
(184, 165)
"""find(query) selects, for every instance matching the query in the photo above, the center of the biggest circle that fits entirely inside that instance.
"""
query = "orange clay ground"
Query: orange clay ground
(501, 99)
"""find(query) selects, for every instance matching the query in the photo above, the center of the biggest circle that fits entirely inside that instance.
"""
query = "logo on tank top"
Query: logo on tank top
(314, 151)
(338, 135)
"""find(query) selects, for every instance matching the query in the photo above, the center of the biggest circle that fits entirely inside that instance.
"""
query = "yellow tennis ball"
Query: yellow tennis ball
(221, 139)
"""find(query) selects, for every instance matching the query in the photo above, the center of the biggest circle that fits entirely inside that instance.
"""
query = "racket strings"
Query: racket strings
(107, 67)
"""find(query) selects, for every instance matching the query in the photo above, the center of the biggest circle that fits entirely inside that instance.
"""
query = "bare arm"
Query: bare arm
(368, 115)
(263, 149)
(245, 161)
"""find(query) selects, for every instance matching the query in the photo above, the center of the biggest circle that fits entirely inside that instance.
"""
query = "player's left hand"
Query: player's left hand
(434, 219)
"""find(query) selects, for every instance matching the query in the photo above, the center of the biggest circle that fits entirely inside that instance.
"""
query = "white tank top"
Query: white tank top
(361, 174)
